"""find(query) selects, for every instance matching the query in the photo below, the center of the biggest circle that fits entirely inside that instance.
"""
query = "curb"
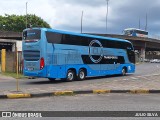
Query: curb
(71, 93)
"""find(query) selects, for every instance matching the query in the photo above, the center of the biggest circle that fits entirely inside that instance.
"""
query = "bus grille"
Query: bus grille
(31, 55)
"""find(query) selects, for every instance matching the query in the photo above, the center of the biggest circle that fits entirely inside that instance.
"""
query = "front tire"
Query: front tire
(124, 72)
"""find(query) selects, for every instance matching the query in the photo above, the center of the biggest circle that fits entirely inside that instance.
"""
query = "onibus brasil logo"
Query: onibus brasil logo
(95, 51)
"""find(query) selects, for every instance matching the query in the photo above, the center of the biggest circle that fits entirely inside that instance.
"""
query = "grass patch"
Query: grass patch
(14, 75)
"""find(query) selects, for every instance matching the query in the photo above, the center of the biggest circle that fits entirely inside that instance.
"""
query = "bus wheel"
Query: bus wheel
(70, 76)
(81, 74)
(124, 72)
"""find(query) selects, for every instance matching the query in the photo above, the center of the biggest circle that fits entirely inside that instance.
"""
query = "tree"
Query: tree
(17, 23)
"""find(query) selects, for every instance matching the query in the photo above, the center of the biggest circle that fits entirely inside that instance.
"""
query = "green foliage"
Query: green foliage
(17, 23)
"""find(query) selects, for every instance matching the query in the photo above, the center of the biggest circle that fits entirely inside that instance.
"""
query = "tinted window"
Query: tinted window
(32, 34)
(116, 44)
(71, 39)
(120, 60)
(131, 56)
(75, 40)
(84, 41)
(128, 46)
(53, 37)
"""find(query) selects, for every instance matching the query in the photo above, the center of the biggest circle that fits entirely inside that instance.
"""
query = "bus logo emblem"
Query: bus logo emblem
(95, 51)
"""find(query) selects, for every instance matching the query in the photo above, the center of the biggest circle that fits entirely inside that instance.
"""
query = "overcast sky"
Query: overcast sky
(66, 14)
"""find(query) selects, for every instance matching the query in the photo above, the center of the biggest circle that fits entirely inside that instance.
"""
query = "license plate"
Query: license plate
(30, 68)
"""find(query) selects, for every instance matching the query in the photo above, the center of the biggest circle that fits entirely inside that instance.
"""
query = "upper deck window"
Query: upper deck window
(53, 37)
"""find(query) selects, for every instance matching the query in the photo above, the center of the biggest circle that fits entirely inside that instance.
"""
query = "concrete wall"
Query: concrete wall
(19, 45)
(13, 44)
(10, 62)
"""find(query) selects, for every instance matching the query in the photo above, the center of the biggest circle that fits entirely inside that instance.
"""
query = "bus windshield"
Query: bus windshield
(32, 34)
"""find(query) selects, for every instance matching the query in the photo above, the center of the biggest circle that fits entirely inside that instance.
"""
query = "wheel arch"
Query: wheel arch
(125, 69)
(73, 69)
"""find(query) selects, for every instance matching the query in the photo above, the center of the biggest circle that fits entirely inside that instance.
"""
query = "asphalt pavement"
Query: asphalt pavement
(146, 79)
(135, 103)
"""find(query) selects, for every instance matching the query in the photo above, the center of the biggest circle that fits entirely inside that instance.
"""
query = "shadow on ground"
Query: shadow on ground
(37, 81)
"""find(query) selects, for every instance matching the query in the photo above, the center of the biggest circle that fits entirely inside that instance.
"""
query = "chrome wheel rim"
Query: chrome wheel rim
(81, 75)
(123, 72)
(70, 76)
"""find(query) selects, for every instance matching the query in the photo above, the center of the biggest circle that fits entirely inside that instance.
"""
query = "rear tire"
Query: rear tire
(81, 74)
(70, 76)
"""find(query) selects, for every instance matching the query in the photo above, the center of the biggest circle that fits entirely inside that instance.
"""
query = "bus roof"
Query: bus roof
(82, 34)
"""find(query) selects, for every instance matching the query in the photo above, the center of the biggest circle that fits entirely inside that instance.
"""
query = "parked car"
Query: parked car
(155, 61)
(146, 60)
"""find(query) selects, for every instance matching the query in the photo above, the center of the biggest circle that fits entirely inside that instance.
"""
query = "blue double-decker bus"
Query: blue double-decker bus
(55, 54)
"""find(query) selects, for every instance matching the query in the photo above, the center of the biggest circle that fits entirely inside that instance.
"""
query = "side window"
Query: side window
(113, 44)
(74, 40)
(120, 60)
(85, 41)
(128, 46)
(110, 44)
(64, 40)
(122, 45)
(70, 39)
(53, 37)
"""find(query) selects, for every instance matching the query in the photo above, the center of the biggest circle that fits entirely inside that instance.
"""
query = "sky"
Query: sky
(66, 14)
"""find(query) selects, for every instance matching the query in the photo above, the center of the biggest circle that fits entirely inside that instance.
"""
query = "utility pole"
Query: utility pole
(26, 14)
(146, 22)
(81, 21)
(139, 23)
(107, 15)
